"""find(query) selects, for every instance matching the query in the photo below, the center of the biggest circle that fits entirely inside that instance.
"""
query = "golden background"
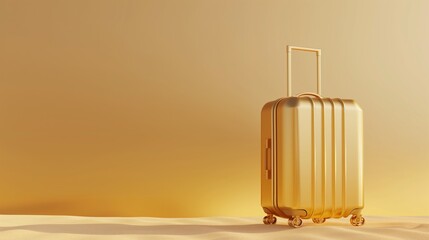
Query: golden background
(152, 108)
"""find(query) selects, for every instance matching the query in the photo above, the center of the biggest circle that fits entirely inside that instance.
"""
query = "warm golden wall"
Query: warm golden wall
(152, 108)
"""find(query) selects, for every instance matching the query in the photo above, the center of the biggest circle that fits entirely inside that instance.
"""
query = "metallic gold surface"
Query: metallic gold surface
(317, 157)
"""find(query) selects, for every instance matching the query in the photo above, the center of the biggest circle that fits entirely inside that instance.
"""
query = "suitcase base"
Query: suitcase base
(296, 221)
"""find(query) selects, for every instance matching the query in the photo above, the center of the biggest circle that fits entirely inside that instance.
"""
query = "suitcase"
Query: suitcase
(311, 156)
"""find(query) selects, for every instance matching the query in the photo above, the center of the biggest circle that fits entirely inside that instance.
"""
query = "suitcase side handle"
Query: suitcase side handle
(289, 65)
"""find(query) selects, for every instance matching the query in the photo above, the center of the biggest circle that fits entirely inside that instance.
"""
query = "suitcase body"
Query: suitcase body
(312, 163)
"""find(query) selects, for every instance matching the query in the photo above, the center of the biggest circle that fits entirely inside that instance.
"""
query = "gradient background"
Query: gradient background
(152, 108)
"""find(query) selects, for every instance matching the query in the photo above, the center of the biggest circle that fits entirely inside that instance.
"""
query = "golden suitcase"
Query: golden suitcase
(311, 156)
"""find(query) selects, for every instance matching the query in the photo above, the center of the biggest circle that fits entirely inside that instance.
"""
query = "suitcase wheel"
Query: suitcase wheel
(270, 219)
(357, 220)
(295, 222)
(319, 220)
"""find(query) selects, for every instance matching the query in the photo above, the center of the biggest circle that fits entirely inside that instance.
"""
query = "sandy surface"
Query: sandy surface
(15, 227)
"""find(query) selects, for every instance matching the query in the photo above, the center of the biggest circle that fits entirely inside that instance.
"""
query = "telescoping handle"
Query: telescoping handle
(289, 71)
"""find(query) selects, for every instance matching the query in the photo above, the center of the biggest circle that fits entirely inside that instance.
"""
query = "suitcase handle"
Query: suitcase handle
(309, 94)
(289, 71)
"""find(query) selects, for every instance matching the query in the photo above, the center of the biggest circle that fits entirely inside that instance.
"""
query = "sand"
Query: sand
(16, 227)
